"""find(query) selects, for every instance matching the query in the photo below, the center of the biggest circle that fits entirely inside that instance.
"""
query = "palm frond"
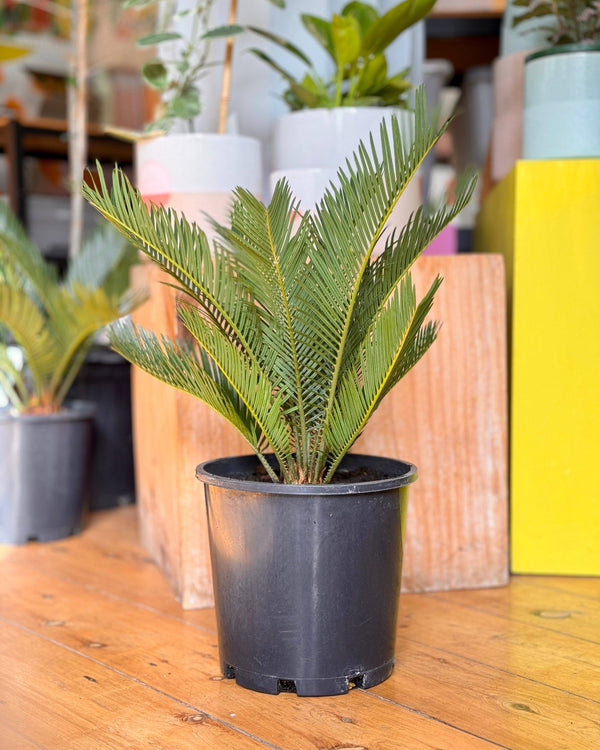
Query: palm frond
(385, 272)
(392, 346)
(183, 251)
(28, 326)
(74, 316)
(102, 252)
(248, 381)
(180, 366)
(11, 380)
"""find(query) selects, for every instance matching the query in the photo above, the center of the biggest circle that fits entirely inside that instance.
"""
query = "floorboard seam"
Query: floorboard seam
(180, 702)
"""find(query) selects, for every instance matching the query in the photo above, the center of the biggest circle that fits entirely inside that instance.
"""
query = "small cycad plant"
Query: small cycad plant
(298, 331)
(53, 322)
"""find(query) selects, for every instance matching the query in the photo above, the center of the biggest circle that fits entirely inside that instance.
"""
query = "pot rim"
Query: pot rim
(71, 411)
(208, 472)
(562, 49)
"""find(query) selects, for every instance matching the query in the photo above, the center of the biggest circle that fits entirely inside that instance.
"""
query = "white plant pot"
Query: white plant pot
(309, 147)
(325, 138)
(194, 173)
(561, 117)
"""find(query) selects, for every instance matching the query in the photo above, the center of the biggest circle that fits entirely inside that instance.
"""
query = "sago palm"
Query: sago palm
(298, 331)
(54, 322)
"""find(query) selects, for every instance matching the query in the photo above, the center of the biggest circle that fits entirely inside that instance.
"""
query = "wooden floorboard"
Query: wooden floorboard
(96, 653)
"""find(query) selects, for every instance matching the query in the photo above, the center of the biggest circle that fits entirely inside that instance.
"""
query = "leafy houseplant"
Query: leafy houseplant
(299, 335)
(296, 338)
(53, 323)
(177, 73)
(356, 40)
(573, 21)
(562, 82)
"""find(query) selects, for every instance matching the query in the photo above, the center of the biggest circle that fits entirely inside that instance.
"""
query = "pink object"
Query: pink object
(446, 243)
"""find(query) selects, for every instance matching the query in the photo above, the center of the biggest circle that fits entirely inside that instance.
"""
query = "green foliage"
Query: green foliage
(52, 321)
(573, 21)
(298, 332)
(177, 73)
(356, 40)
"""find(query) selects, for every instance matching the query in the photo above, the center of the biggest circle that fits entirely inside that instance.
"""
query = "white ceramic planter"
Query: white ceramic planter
(309, 146)
(561, 116)
(325, 138)
(194, 173)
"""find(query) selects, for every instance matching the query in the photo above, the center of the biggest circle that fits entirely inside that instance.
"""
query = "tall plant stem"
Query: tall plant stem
(226, 80)
(77, 120)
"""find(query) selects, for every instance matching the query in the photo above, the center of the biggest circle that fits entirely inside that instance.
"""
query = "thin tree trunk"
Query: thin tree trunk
(77, 120)
(226, 80)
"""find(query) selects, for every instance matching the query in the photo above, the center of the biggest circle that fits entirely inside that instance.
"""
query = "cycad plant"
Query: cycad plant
(297, 330)
(53, 321)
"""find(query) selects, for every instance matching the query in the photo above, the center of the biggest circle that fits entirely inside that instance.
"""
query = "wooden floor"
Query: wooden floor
(95, 653)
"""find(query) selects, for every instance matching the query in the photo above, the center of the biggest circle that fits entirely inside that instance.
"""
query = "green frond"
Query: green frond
(74, 316)
(180, 366)
(248, 381)
(298, 331)
(23, 265)
(183, 251)
(401, 251)
(11, 380)
(104, 253)
(28, 326)
(391, 347)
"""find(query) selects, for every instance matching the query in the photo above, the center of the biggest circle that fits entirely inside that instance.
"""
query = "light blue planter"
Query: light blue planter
(561, 112)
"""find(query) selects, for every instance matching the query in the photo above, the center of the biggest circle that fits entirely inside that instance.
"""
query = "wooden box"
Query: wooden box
(448, 416)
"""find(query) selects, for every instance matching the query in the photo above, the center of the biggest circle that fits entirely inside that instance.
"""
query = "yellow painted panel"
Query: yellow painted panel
(555, 393)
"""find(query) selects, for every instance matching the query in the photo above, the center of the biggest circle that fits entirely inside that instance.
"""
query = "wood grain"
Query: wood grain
(173, 432)
(449, 417)
(96, 653)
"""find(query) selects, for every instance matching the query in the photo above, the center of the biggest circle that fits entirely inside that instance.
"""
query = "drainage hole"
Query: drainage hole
(356, 681)
(229, 672)
(286, 686)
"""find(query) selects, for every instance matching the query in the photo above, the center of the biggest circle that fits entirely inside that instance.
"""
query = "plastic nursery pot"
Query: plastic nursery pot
(105, 381)
(44, 465)
(306, 577)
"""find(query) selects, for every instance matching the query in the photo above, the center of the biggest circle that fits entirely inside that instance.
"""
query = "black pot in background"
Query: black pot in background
(105, 381)
(306, 577)
(44, 470)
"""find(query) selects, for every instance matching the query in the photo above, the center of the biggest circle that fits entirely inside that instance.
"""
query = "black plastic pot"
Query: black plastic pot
(44, 470)
(306, 577)
(105, 381)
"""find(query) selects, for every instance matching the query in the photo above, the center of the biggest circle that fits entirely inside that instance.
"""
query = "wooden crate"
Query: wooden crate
(448, 416)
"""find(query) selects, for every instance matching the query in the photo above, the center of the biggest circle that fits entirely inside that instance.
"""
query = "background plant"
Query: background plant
(573, 21)
(54, 322)
(356, 40)
(185, 60)
(296, 336)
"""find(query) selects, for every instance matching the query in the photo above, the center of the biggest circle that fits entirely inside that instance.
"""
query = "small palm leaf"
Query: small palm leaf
(181, 366)
(28, 326)
(393, 345)
(183, 251)
(101, 253)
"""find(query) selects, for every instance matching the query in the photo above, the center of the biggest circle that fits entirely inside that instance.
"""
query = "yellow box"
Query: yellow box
(544, 217)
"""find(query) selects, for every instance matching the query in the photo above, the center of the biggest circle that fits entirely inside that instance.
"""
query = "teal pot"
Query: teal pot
(561, 116)
(105, 381)
(307, 577)
(44, 465)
